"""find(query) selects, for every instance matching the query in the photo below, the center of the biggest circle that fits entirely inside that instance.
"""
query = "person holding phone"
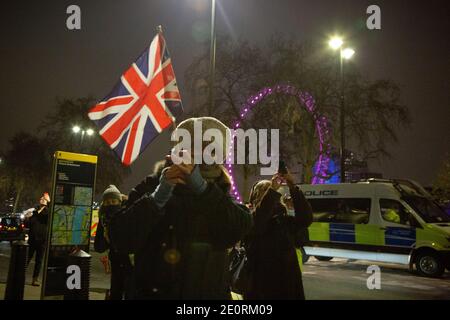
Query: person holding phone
(37, 235)
(179, 225)
(273, 269)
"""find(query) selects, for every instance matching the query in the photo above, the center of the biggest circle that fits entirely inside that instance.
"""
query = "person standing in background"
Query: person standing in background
(273, 268)
(121, 266)
(37, 235)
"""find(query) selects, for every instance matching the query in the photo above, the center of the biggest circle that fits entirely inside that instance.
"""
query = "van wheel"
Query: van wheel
(323, 258)
(429, 264)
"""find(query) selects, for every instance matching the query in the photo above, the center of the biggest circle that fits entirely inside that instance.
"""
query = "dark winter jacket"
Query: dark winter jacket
(180, 250)
(38, 226)
(273, 266)
(101, 244)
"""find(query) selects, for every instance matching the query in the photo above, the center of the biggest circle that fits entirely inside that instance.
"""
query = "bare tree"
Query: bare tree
(27, 168)
(374, 113)
(441, 185)
(56, 130)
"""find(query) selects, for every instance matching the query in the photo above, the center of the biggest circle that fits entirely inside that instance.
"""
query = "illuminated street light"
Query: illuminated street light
(336, 43)
(348, 53)
(82, 132)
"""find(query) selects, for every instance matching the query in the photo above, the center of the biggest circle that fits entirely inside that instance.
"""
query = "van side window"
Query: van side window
(354, 210)
(393, 211)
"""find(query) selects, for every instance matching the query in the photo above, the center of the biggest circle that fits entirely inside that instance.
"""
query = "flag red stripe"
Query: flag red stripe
(158, 53)
(171, 95)
(113, 132)
(111, 103)
(135, 81)
(130, 144)
(154, 104)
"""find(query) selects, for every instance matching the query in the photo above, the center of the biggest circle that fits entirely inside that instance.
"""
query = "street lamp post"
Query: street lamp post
(83, 132)
(347, 53)
(342, 116)
(212, 59)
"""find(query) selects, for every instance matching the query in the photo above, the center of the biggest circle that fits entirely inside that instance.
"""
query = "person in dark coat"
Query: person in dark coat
(37, 235)
(273, 265)
(121, 267)
(179, 227)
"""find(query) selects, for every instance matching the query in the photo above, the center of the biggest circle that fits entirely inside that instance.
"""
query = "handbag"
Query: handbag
(238, 270)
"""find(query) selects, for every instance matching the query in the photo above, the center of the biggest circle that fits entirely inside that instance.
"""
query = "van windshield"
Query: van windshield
(428, 210)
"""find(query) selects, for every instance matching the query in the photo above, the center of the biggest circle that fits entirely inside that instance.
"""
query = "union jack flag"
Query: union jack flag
(143, 103)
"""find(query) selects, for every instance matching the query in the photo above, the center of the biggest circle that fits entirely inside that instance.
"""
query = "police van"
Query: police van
(380, 220)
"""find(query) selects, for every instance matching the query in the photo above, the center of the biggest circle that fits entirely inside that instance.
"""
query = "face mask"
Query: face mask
(291, 212)
(108, 211)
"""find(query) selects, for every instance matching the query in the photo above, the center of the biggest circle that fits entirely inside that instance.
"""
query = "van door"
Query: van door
(346, 218)
(399, 235)
(354, 216)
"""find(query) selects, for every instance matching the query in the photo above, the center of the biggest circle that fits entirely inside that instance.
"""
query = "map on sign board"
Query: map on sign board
(71, 225)
(82, 196)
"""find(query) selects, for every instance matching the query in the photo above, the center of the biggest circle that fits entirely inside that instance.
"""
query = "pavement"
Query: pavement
(347, 280)
(336, 279)
(99, 281)
(34, 293)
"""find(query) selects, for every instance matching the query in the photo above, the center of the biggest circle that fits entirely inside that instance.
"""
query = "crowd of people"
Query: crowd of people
(174, 235)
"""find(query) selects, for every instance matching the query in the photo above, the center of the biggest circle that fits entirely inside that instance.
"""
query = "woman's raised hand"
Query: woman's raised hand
(173, 175)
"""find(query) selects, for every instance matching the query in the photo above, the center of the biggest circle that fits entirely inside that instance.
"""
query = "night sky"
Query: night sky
(41, 60)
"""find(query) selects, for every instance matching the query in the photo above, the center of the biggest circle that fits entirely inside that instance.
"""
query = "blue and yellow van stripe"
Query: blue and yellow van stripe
(365, 234)
(402, 237)
(342, 232)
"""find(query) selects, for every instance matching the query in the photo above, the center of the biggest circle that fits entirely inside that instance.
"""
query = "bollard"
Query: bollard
(83, 260)
(17, 268)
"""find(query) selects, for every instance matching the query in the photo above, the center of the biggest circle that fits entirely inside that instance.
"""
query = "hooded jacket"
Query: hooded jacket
(181, 249)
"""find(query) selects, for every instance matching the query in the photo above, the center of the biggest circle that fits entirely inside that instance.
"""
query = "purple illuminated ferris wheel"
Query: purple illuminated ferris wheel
(321, 124)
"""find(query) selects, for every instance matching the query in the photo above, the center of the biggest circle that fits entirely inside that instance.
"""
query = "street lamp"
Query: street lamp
(348, 53)
(336, 43)
(78, 129)
(212, 58)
